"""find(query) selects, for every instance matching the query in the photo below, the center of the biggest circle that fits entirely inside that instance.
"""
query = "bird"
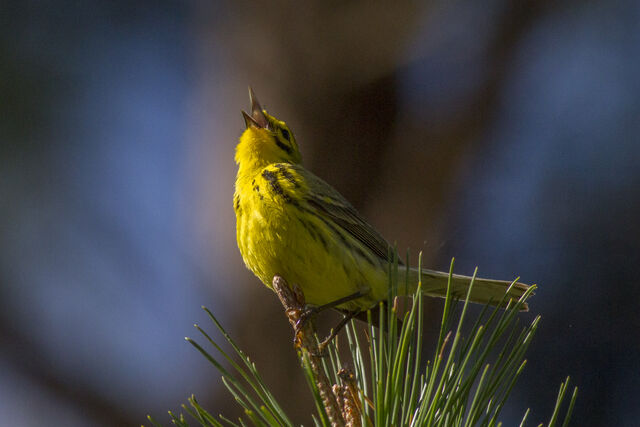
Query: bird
(291, 223)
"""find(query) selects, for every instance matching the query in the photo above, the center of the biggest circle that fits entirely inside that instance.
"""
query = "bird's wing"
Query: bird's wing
(327, 203)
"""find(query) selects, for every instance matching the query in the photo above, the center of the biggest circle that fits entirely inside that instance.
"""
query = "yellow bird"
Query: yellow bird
(291, 223)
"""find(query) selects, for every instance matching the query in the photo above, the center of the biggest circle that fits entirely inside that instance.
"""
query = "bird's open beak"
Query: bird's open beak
(257, 118)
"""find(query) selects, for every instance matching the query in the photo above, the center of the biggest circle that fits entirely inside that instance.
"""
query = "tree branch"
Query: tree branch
(293, 301)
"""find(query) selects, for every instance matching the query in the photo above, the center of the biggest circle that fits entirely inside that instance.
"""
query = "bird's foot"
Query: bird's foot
(334, 332)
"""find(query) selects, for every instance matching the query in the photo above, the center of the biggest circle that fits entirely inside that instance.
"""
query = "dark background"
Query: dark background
(503, 133)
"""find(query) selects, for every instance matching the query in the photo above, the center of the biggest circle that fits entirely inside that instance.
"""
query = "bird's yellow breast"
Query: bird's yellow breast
(279, 233)
(264, 224)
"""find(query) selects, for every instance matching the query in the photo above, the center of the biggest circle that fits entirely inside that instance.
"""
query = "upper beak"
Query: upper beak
(257, 117)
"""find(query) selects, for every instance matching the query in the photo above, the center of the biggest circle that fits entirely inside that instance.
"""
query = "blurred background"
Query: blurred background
(506, 134)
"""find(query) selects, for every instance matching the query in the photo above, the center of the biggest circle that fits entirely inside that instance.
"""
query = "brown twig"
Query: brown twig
(293, 301)
(349, 400)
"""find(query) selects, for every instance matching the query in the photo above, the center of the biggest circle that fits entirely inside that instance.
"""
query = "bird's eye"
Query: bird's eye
(285, 134)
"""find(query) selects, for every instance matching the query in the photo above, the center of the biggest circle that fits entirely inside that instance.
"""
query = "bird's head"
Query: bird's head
(266, 139)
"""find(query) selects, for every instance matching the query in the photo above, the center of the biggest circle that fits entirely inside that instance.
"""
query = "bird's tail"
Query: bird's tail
(484, 291)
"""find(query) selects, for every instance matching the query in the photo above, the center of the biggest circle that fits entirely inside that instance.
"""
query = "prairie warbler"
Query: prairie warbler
(294, 224)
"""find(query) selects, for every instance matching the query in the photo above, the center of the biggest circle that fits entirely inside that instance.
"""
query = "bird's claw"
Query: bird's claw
(305, 315)
(303, 318)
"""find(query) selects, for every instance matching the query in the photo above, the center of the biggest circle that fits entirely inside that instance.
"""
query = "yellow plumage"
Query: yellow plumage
(292, 223)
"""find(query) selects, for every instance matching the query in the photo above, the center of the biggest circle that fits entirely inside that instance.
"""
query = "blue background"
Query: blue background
(504, 134)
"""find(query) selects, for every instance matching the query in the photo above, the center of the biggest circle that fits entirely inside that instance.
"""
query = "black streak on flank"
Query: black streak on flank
(286, 174)
(236, 205)
(275, 185)
(346, 240)
(315, 233)
(256, 188)
(269, 176)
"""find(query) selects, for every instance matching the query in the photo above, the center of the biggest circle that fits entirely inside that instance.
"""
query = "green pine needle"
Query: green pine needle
(467, 381)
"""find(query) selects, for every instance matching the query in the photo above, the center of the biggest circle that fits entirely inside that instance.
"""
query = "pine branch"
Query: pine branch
(466, 383)
(293, 301)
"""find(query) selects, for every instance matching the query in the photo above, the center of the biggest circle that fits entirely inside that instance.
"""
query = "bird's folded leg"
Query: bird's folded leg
(347, 316)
